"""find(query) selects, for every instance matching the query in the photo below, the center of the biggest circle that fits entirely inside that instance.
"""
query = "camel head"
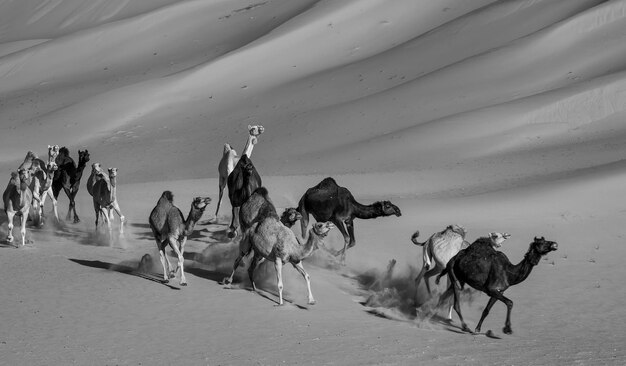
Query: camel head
(52, 167)
(200, 203)
(83, 156)
(498, 238)
(290, 216)
(30, 156)
(228, 150)
(540, 246)
(53, 152)
(255, 130)
(112, 173)
(24, 176)
(321, 229)
(387, 208)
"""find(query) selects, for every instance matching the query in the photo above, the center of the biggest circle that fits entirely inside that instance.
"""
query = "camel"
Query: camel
(17, 199)
(40, 186)
(242, 182)
(105, 199)
(230, 159)
(251, 212)
(270, 239)
(170, 227)
(490, 271)
(96, 173)
(442, 246)
(328, 201)
(68, 178)
(38, 170)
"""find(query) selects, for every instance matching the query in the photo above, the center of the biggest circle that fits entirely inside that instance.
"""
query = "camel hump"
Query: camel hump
(168, 195)
(262, 191)
(327, 182)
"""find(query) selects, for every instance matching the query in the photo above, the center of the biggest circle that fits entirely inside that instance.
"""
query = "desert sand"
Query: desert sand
(496, 115)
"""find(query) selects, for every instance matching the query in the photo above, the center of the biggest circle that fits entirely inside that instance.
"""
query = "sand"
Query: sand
(498, 116)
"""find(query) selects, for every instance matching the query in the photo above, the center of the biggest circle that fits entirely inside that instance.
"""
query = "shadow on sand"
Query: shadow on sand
(123, 269)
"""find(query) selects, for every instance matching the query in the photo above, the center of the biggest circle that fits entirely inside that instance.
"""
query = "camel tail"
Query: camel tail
(414, 239)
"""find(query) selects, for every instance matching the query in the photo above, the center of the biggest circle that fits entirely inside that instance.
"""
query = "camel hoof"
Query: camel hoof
(183, 283)
(465, 328)
(165, 281)
(9, 239)
(507, 330)
(172, 274)
(76, 221)
(312, 302)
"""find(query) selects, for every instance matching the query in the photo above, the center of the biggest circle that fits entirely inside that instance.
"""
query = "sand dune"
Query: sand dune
(496, 115)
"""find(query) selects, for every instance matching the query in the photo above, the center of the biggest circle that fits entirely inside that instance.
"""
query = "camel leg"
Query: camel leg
(233, 221)
(229, 280)
(431, 272)
(350, 226)
(457, 307)
(509, 306)
(54, 204)
(492, 300)
(73, 206)
(278, 264)
(298, 266)
(24, 218)
(251, 268)
(69, 210)
(165, 263)
(181, 259)
(96, 207)
(304, 223)
(10, 216)
(116, 207)
(346, 239)
(222, 185)
(444, 298)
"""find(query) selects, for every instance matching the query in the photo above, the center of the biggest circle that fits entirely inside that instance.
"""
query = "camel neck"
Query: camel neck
(192, 219)
(310, 245)
(365, 211)
(247, 150)
(519, 272)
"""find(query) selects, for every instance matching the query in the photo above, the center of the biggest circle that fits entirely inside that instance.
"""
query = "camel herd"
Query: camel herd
(264, 234)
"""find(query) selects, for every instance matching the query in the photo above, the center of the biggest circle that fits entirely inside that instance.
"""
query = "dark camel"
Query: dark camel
(327, 201)
(68, 176)
(243, 180)
(490, 271)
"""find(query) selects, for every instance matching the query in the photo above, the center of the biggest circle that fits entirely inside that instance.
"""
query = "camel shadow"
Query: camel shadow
(203, 273)
(123, 269)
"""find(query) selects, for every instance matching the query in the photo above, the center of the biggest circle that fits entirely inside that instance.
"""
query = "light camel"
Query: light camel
(17, 199)
(270, 239)
(230, 159)
(170, 227)
(34, 165)
(253, 210)
(105, 199)
(40, 186)
(442, 246)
